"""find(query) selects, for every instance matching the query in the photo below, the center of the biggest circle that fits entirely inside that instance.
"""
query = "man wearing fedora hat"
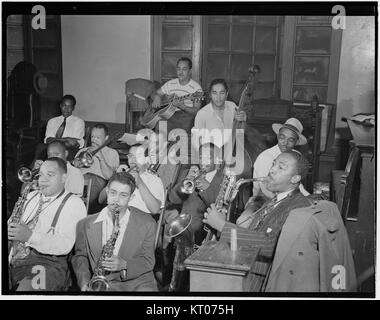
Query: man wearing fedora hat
(289, 135)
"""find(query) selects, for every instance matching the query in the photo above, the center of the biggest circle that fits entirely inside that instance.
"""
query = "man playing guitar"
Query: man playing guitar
(181, 86)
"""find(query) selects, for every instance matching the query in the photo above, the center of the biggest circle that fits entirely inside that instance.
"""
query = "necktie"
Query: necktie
(20, 250)
(61, 129)
(262, 213)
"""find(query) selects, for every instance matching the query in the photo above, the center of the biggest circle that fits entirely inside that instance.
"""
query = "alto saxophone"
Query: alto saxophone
(227, 193)
(99, 282)
(27, 176)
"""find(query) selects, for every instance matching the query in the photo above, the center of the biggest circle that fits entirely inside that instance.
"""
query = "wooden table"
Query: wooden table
(214, 267)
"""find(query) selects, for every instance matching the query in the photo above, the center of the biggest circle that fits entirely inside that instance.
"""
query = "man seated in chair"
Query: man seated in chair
(325, 240)
(129, 265)
(45, 233)
(289, 135)
(207, 179)
(66, 128)
(106, 161)
(181, 86)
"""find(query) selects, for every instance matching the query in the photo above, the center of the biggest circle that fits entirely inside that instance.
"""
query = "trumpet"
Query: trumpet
(85, 158)
(27, 175)
(188, 186)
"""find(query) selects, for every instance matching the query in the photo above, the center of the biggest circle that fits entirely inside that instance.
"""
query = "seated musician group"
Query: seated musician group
(111, 245)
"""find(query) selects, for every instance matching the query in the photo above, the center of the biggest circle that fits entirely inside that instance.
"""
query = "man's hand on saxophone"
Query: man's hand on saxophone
(19, 232)
(214, 218)
(114, 264)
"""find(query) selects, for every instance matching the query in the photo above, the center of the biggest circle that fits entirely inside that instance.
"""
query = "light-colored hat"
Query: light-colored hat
(292, 124)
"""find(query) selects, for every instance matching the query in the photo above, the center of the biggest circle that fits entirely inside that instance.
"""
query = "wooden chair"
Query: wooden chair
(86, 193)
(138, 92)
(343, 182)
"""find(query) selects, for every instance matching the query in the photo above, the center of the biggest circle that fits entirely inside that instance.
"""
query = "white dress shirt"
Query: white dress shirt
(155, 186)
(61, 241)
(105, 217)
(74, 128)
(209, 126)
(262, 166)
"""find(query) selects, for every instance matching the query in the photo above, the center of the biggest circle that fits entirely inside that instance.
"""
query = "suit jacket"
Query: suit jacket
(137, 248)
(312, 249)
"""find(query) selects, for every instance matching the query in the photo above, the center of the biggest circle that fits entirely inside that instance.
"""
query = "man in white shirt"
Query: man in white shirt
(45, 234)
(106, 161)
(149, 195)
(289, 135)
(130, 260)
(66, 128)
(214, 122)
(181, 86)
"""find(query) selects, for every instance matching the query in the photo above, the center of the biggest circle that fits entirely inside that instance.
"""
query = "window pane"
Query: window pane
(176, 37)
(266, 20)
(243, 19)
(15, 36)
(265, 40)
(169, 61)
(311, 69)
(224, 19)
(180, 19)
(15, 18)
(240, 64)
(267, 67)
(313, 40)
(263, 90)
(307, 93)
(242, 38)
(217, 66)
(45, 37)
(235, 91)
(45, 61)
(218, 36)
(14, 57)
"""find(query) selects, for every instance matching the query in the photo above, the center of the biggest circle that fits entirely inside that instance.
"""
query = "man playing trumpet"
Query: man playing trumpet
(128, 264)
(105, 163)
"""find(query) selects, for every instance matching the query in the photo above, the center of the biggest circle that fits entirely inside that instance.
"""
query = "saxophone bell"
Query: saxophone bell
(99, 283)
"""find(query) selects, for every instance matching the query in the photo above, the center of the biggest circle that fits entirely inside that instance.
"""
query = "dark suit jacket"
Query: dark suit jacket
(137, 248)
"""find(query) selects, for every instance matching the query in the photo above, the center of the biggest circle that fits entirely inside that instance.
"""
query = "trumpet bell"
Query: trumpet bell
(26, 175)
(178, 225)
(98, 284)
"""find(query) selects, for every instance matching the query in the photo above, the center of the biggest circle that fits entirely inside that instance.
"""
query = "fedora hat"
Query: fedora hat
(294, 125)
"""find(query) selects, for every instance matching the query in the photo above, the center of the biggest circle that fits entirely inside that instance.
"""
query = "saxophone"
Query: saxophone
(99, 282)
(27, 176)
(227, 193)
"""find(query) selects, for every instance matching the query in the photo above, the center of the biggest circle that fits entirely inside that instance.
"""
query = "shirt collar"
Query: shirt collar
(283, 195)
(104, 216)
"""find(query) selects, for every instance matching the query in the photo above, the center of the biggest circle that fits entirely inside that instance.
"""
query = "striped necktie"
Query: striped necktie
(259, 217)
(61, 129)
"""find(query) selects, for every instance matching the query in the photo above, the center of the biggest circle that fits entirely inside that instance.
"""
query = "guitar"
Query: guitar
(167, 108)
